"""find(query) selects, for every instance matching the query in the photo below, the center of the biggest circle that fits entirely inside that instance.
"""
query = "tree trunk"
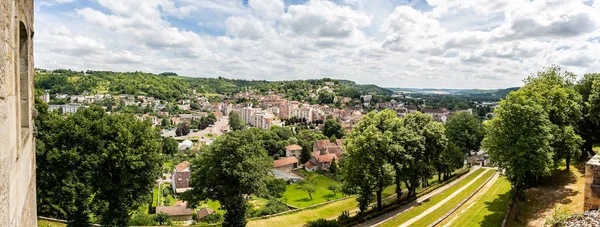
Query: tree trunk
(398, 188)
(379, 206)
(568, 162)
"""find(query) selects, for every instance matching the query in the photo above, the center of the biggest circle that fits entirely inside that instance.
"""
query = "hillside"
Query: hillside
(170, 86)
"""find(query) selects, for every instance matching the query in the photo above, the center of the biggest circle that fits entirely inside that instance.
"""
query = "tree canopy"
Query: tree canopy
(234, 165)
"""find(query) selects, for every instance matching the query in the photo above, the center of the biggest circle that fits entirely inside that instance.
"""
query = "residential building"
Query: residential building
(178, 212)
(286, 164)
(68, 108)
(180, 180)
(320, 162)
(203, 212)
(293, 150)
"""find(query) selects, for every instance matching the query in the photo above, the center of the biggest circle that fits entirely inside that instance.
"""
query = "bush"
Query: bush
(344, 216)
(142, 219)
(213, 218)
(558, 218)
(273, 206)
(163, 219)
(276, 187)
(322, 223)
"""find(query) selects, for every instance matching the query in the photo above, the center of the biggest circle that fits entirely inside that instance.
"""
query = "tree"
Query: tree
(333, 167)
(423, 141)
(589, 125)
(366, 167)
(308, 185)
(561, 102)
(163, 219)
(334, 188)
(170, 146)
(450, 159)
(235, 122)
(326, 97)
(195, 106)
(276, 187)
(182, 129)
(234, 165)
(521, 122)
(165, 123)
(465, 131)
(79, 157)
(333, 128)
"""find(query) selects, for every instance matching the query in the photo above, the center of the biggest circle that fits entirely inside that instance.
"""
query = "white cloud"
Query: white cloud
(483, 44)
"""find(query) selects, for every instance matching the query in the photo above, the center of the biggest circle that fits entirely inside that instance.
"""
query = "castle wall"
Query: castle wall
(592, 184)
(17, 147)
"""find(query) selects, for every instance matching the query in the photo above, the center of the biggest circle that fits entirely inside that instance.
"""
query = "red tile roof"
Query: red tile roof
(293, 147)
(284, 162)
(174, 210)
(182, 179)
(326, 158)
(182, 166)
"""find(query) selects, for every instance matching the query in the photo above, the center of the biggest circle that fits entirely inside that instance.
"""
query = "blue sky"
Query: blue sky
(391, 43)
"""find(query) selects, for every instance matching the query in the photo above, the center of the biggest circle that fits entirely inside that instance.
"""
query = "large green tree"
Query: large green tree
(465, 131)
(589, 126)
(333, 128)
(235, 164)
(235, 122)
(94, 163)
(366, 162)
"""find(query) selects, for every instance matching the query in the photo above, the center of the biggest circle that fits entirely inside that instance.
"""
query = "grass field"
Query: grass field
(563, 189)
(44, 223)
(452, 203)
(596, 147)
(426, 205)
(300, 218)
(487, 209)
(295, 196)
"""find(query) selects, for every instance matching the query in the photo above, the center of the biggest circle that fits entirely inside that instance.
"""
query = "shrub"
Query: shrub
(558, 218)
(344, 216)
(276, 187)
(163, 219)
(322, 223)
(142, 219)
(213, 218)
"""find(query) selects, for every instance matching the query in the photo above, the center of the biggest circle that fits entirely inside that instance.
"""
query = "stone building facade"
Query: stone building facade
(17, 146)
(591, 192)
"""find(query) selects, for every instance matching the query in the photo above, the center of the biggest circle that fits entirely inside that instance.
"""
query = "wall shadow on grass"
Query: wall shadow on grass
(498, 207)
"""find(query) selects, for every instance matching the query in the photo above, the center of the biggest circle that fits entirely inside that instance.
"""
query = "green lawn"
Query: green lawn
(596, 147)
(44, 223)
(155, 196)
(452, 203)
(300, 218)
(295, 196)
(426, 205)
(488, 209)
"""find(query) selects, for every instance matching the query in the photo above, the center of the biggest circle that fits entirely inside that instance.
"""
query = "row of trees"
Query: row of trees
(551, 119)
(383, 149)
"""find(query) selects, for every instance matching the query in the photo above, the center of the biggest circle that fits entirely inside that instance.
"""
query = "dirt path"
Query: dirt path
(393, 213)
(438, 205)
(471, 201)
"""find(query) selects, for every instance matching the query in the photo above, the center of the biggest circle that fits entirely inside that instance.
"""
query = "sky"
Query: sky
(482, 44)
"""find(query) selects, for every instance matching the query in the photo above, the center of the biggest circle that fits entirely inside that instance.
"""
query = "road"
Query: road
(216, 129)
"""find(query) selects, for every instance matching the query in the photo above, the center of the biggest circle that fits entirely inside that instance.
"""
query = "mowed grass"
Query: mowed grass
(300, 218)
(398, 220)
(295, 196)
(453, 202)
(487, 210)
(44, 223)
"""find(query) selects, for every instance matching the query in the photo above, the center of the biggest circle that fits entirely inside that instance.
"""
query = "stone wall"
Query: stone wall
(592, 184)
(17, 147)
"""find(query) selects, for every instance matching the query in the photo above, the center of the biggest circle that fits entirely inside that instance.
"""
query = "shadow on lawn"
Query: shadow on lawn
(498, 208)
(552, 190)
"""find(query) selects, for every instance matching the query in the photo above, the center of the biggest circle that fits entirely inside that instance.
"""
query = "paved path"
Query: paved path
(438, 205)
(393, 213)
(472, 201)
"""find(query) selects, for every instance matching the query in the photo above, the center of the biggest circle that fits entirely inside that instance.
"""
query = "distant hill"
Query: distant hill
(170, 86)
(475, 94)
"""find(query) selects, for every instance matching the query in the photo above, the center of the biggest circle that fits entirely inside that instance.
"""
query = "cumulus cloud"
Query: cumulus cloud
(452, 43)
